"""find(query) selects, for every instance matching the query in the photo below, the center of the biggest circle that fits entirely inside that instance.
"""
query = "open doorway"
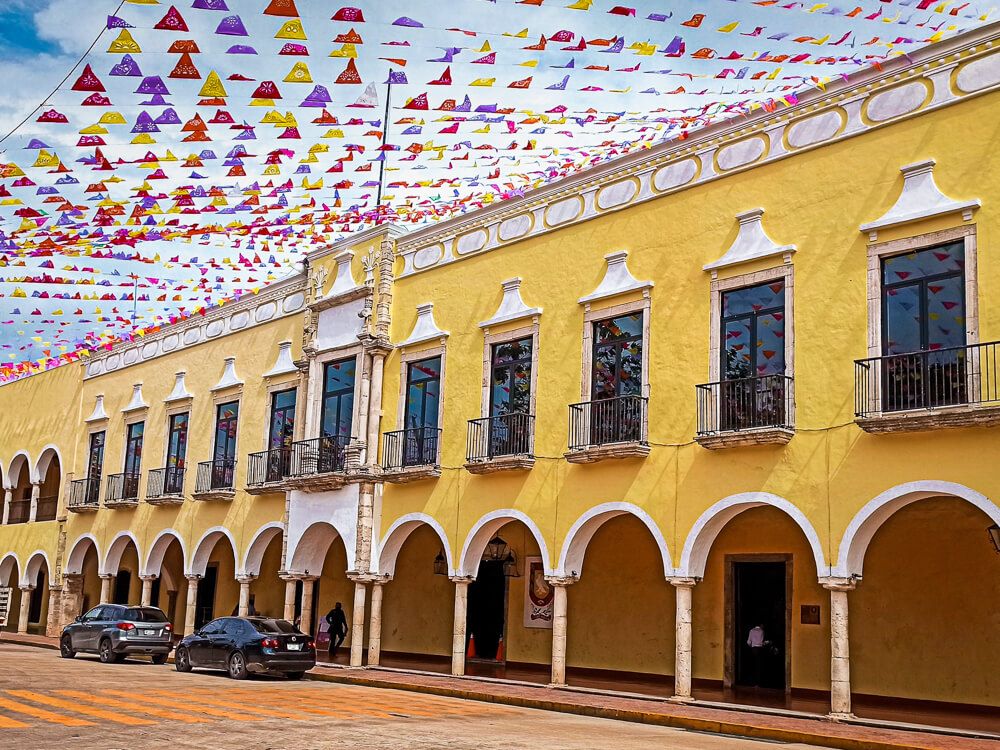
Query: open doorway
(123, 583)
(206, 595)
(758, 599)
(487, 612)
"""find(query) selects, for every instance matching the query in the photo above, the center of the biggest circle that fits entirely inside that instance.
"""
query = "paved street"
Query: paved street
(49, 702)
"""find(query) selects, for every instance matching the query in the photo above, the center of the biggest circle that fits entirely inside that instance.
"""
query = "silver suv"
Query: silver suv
(113, 631)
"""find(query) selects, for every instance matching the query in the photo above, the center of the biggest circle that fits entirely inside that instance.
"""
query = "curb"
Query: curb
(6, 638)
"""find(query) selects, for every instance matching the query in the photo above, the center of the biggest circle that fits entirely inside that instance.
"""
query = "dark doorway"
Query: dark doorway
(310, 627)
(759, 591)
(206, 596)
(123, 582)
(35, 605)
(487, 610)
(154, 595)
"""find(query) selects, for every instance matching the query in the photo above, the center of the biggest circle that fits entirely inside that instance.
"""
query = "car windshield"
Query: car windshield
(145, 614)
(273, 626)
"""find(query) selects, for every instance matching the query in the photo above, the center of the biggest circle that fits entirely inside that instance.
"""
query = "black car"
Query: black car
(242, 645)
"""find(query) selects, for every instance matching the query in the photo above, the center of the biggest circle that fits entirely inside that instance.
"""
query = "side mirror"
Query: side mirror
(78, 618)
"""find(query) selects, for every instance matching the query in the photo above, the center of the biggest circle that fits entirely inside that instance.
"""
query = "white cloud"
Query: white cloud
(73, 37)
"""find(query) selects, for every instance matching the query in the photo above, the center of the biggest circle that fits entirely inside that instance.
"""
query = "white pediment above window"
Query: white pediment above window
(229, 378)
(98, 414)
(180, 391)
(137, 402)
(343, 282)
(751, 242)
(617, 279)
(920, 199)
(424, 329)
(512, 307)
(283, 365)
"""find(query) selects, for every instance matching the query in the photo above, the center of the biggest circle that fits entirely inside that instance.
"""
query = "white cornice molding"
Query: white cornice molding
(98, 414)
(751, 242)
(617, 279)
(512, 306)
(920, 199)
(180, 391)
(283, 365)
(137, 402)
(424, 328)
(391, 232)
(229, 377)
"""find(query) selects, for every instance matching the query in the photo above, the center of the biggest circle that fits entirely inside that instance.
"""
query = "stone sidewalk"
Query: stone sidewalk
(736, 721)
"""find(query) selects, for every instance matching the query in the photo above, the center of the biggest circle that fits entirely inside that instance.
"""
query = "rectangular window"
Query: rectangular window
(924, 328)
(133, 448)
(337, 415)
(423, 397)
(95, 466)
(177, 434)
(510, 398)
(282, 429)
(617, 362)
(226, 419)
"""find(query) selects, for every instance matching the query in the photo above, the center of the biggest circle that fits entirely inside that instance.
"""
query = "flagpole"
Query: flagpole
(385, 136)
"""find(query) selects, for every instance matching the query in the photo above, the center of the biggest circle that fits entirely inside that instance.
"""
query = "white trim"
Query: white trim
(115, 551)
(229, 377)
(206, 546)
(283, 364)
(31, 569)
(254, 556)
(617, 279)
(10, 476)
(74, 564)
(702, 536)
(16, 569)
(484, 529)
(158, 550)
(858, 535)
(344, 282)
(137, 402)
(308, 546)
(180, 391)
(512, 306)
(51, 450)
(574, 548)
(399, 532)
(751, 243)
(98, 414)
(424, 327)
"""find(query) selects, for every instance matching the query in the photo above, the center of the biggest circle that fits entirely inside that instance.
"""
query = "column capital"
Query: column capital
(838, 583)
(306, 578)
(193, 577)
(363, 577)
(29, 587)
(382, 579)
(148, 578)
(246, 578)
(461, 579)
(72, 576)
(682, 581)
(561, 580)
(108, 576)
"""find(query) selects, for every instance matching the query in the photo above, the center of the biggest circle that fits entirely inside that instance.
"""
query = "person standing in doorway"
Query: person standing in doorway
(336, 621)
(757, 642)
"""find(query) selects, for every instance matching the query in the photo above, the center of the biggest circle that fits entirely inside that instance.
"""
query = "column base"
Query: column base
(840, 716)
(680, 699)
(556, 685)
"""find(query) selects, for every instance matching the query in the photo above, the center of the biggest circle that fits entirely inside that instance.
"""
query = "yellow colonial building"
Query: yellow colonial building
(716, 415)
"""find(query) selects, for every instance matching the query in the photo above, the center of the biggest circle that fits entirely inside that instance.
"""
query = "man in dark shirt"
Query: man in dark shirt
(337, 622)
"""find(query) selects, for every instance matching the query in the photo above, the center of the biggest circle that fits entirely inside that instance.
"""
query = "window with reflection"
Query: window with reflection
(95, 465)
(224, 454)
(338, 398)
(177, 436)
(423, 397)
(617, 407)
(133, 459)
(510, 398)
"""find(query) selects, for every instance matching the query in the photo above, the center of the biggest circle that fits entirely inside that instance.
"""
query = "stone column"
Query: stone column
(147, 589)
(36, 490)
(375, 406)
(559, 627)
(840, 656)
(191, 611)
(8, 495)
(683, 591)
(375, 627)
(458, 633)
(308, 583)
(72, 598)
(106, 581)
(289, 613)
(358, 626)
(22, 620)
(53, 625)
(244, 607)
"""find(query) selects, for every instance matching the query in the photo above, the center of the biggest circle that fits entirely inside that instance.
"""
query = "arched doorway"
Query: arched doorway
(49, 471)
(81, 576)
(263, 564)
(218, 591)
(166, 562)
(36, 577)
(10, 577)
(19, 483)
(122, 564)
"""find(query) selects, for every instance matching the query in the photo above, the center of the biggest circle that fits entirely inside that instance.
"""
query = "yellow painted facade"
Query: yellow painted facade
(896, 516)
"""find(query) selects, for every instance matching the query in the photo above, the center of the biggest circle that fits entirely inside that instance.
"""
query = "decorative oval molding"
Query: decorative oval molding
(293, 302)
(562, 211)
(815, 129)
(471, 242)
(113, 361)
(170, 343)
(214, 328)
(265, 311)
(95, 368)
(150, 350)
(192, 336)
(978, 74)
(675, 175)
(617, 194)
(130, 356)
(426, 257)
(515, 227)
(897, 101)
(741, 153)
(239, 320)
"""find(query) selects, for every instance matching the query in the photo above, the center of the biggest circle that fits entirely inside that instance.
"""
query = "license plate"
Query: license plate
(294, 646)
(149, 632)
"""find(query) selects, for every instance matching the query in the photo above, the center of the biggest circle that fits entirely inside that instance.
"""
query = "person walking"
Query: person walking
(336, 621)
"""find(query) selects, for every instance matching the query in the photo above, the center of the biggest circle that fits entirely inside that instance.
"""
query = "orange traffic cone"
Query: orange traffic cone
(500, 656)
(470, 652)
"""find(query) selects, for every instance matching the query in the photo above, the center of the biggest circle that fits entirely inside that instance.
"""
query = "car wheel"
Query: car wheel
(182, 660)
(66, 648)
(105, 653)
(159, 658)
(238, 666)
(295, 675)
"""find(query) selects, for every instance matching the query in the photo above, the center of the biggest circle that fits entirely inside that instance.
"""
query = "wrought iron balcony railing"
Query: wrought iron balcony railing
(268, 467)
(417, 446)
(931, 379)
(48, 508)
(745, 404)
(122, 488)
(165, 482)
(501, 435)
(322, 455)
(84, 493)
(20, 511)
(216, 476)
(605, 421)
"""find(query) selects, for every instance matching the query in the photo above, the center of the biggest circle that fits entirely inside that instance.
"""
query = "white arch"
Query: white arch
(9, 563)
(33, 566)
(712, 521)
(861, 529)
(113, 558)
(158, 549)
(255, 552)
(78, 553)
(397, 535)
(311, 548)
(21, 458)
(578, 538)
(485, 529)
(44, 461)
(203, 550)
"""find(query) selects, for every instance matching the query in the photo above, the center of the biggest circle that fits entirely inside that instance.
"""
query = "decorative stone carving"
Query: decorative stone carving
(920, 199)
(675, 175)
(98, 414)
(741, 153)
(265, 312)
(471, 242)
(897, 101)
(344, 281)
(426, 257)
(137, 402)
(751, 242)
(229, 378)
(815, 129)
(283, 365)
(617, 194)
(424, 329)
(617, 279)
(565, 210)
(512, 307)
(515, 228)
(979, 74)
(180, 391)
